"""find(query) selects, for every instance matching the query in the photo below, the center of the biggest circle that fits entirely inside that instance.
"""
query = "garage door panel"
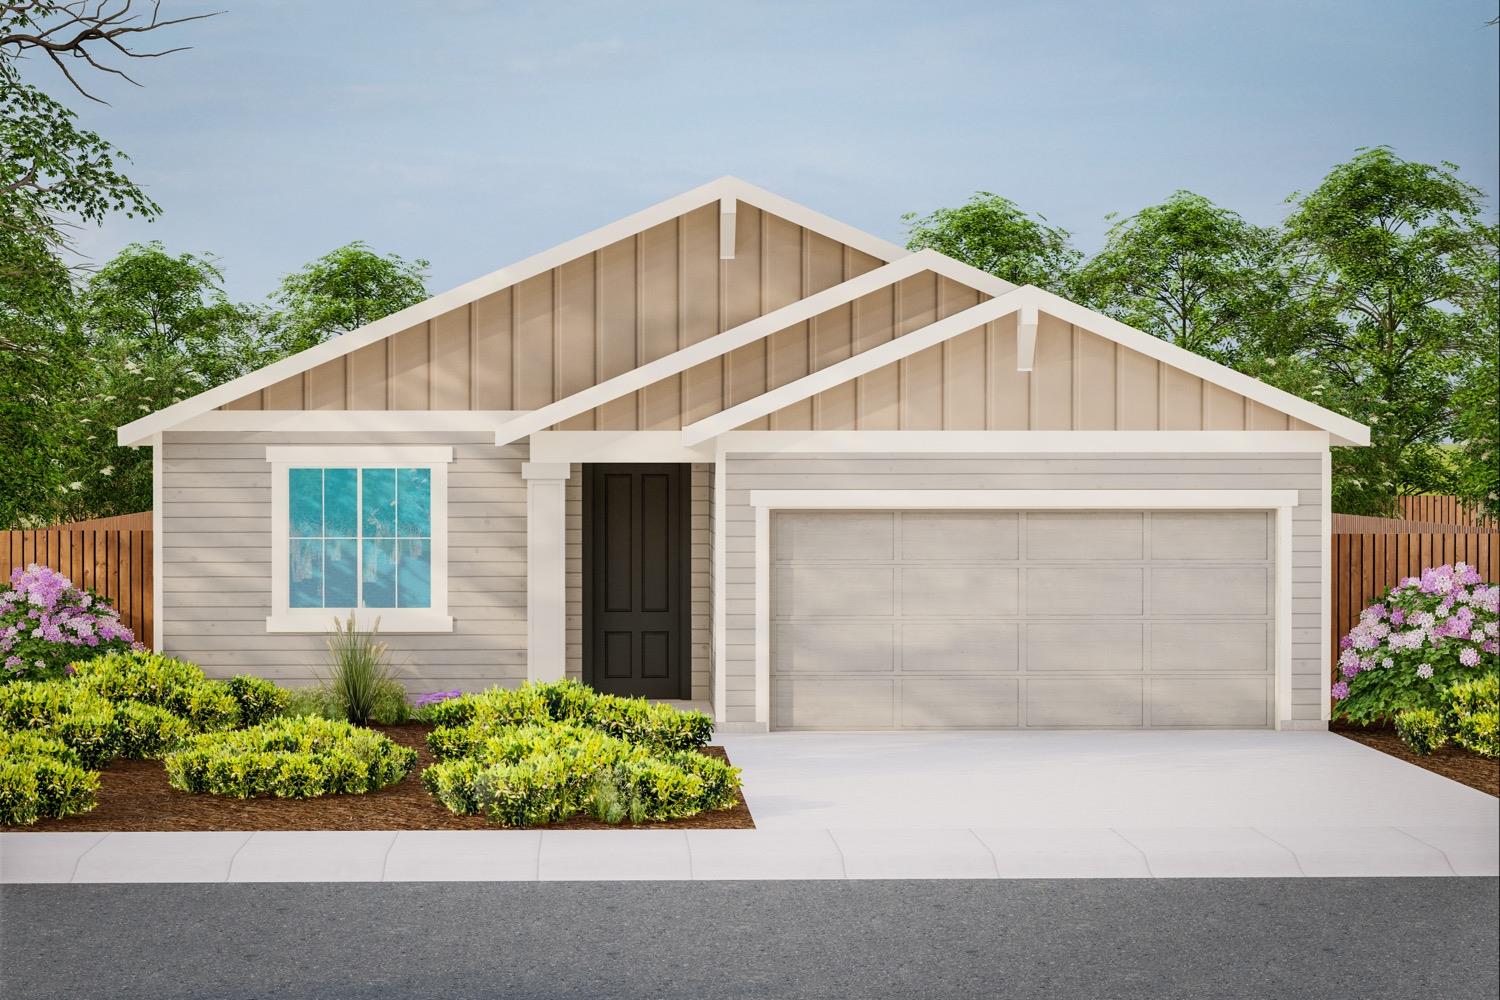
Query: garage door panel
(833, 647)
(971, 647)
(834, 590)
(834, 536)
(833, 703)
(1220, 647)
(1090, 535)
(1091, 646)
(959, 591)
(1211, 590)
(1085, 701)
(1092, 590)
(1218, 535)
(959, 702)
(1211, 701)
(959, 536)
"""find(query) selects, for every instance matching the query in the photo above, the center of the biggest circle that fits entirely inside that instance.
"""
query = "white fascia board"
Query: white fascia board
(726, 228)
(1026, 339)
(853, 367)
(1344, 430)
(715, 346)
(1018, 442)
(616, 446)
(334, 421)
(1024, 499)
(359, 454)
(139, 431)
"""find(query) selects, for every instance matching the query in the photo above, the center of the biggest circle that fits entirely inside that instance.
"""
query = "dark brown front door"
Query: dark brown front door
(636, 579)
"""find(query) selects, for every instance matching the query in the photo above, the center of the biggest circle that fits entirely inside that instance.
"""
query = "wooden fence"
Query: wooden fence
(114, 562)
(1442, 510)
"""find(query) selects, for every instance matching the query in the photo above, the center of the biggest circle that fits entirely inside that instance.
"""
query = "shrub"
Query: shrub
(147, 732)
(316, 701)
(424, 705)
(390, 707)
(38, 785)
(45, 622)
(1471, 715)
(547, 773)
(289, 758)
(1421, 729)
(177, 686)
(79, 718)
(1428, 633)
(258, 699)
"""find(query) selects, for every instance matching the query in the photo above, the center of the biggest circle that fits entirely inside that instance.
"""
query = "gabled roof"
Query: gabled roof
(900, 263)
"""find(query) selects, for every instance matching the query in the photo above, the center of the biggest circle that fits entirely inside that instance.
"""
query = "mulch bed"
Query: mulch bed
(134, 795)
(1463, 766)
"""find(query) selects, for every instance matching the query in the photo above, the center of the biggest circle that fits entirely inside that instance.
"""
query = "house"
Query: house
(731, 451)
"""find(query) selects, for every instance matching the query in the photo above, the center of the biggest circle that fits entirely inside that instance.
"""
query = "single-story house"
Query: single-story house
(731, 451)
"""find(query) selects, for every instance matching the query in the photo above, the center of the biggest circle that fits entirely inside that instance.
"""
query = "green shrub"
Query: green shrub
(153, 679)
(81, 719)
(1421, 729)
(1480, 732)
(634, 720)
(316, 701)
(547, 773)
(300, 757)
(361, 674)
(390, 707)
(34, 744)
(147, 732)
(258, 699)
(36, 786)
(1471, 713)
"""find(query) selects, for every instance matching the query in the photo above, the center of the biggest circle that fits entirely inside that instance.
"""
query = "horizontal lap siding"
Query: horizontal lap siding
(1300, 472)
(215, 591)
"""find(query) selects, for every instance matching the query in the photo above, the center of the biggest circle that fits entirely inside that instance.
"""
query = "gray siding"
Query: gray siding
(215, 591)
(1300, 472)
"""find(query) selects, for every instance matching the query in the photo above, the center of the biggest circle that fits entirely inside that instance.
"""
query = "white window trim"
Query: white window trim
(1281, 502)
(285, 619)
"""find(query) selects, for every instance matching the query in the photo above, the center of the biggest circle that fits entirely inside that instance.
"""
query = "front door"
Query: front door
(636, 579)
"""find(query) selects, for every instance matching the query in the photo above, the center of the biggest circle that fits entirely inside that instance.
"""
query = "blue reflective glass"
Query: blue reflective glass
(379, 576)
(305, 567)
(340, 573)
(414, 503)
(305, 490)
(414, 575)
(340, 503)
(378, 519)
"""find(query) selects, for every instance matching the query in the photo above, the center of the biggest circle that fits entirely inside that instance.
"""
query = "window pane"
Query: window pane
(379, 577)
(379, 517)
(340, 574)
(415, 573)
(414, 496)
(340, 503)
(306, 569)
(305, 489)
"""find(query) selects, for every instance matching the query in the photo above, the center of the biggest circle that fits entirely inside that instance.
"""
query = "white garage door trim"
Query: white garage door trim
(1280, 501)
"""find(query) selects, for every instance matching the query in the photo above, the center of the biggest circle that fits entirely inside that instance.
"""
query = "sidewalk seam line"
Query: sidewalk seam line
(1138, 849)
(688, 843)
(540, 836)
(386, 857)
(230, 870)
(1446, 860)
(73, 876)
(843, 864)
(1295, 859)
(994, 860)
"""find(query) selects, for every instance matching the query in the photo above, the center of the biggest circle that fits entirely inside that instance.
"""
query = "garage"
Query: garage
(992, 619)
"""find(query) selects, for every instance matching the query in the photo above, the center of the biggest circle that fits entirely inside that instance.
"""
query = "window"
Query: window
(359, 530)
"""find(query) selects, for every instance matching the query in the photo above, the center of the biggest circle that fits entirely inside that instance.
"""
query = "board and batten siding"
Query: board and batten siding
(215, 591)
(1300, 472)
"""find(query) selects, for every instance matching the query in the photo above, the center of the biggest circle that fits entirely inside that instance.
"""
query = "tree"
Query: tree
(996, 235)
(1186, 271)
(343, 290)
(1383, 262)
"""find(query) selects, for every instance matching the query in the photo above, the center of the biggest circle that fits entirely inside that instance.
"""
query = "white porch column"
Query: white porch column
(546, 587)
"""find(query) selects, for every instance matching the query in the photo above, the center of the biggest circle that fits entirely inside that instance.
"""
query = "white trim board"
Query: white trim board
(723, 188)
(344, 421)
(1019, 442)
(1281, 502)
(615, 446)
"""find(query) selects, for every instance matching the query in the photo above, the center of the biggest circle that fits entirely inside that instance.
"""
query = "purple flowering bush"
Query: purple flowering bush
(1429, 633)
(47, 623)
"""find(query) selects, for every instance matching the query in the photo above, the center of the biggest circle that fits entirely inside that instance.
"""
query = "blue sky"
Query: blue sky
(474, 133)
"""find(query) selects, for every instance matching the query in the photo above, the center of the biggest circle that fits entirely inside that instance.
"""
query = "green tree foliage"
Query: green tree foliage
(343, 290)
(996, 235)
(1186, 271)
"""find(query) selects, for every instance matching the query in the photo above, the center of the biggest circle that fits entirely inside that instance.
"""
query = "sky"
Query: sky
(474, 133)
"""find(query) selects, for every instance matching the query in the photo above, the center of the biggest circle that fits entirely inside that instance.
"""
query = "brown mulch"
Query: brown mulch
(1463, 766)
(134, 795)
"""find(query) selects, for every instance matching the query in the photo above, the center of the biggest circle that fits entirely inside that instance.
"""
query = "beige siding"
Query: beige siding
(215, 591)
(1300, 472)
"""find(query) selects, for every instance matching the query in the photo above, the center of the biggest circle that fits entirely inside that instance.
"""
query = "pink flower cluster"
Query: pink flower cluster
(1447, 608)
(43, 618)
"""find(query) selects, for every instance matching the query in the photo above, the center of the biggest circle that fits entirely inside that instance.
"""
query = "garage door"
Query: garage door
(997, 619)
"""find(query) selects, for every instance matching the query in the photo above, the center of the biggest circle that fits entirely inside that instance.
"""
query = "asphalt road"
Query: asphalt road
(1262, 938)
